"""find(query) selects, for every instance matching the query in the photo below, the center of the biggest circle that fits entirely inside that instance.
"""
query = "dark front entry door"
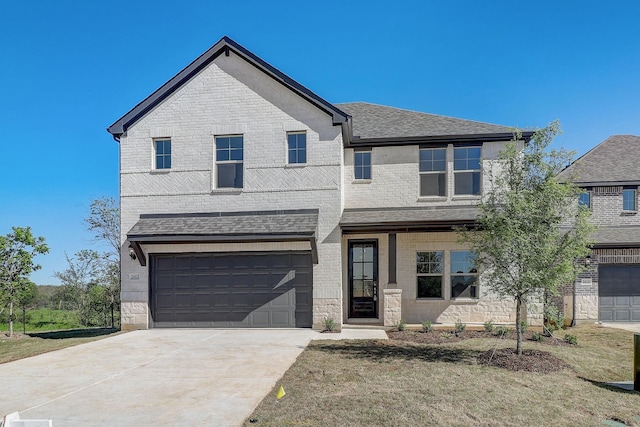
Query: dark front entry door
(363, 279)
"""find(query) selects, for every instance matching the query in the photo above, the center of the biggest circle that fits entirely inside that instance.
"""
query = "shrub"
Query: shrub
(445, 335)
(501, 330)
(402, 325)
(554, 318)
(488, 326)
(427, 326)
(536, 336)
(571, 339)
(524, 326)
(460, 326)
(329, 324)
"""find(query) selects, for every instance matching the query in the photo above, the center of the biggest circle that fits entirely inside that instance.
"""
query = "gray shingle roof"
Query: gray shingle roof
(299, 223)
(614, 160)
(378, 121)
(618, 236)
(408, 216)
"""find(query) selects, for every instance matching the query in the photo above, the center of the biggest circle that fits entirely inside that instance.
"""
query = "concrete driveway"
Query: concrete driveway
(155, 377)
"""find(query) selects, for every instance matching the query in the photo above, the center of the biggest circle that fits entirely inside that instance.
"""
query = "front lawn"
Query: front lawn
(21, 346)
(365, 383)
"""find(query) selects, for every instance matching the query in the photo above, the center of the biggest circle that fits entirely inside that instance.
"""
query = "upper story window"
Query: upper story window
(584, 199)
(163, 153)
(464, 275)
(229, 161)
(466, 167)
(433, 171)
(362, 164)
(297, 147)
(429, 271)
(629, 199)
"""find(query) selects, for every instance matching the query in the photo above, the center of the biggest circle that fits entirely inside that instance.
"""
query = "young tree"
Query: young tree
(530, 228)
(17, 252)
(104, 222)
(27, 296)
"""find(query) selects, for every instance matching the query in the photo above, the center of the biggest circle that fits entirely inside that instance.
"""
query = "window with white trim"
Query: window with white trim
(433, 171)
(362, 164)
(429, 269)
(466, 170)
(464, 275)
(229, 161)
(584, 198)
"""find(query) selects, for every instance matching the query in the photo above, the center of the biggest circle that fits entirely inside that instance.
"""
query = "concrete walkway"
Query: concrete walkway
(156, 377)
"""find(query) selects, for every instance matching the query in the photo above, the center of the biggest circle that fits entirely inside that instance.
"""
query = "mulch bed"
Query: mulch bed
(530, 360)
(443, 337)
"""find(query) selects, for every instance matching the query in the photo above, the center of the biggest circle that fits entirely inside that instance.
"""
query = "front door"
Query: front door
(363, 279)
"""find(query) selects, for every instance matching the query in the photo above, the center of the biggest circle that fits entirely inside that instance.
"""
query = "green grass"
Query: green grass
(21, 346)
(364, 383)
(43, 319)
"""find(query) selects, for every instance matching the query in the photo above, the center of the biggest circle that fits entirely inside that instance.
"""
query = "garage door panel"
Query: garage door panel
(232, 290)
(619, 293)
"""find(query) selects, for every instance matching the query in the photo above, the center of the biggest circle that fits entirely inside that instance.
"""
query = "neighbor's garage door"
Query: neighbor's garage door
(252, 290)
(619, 292)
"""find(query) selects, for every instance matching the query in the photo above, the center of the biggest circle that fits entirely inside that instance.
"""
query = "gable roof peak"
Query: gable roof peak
(225, 46)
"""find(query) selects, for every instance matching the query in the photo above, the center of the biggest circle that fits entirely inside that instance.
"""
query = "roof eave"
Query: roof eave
(435, 139)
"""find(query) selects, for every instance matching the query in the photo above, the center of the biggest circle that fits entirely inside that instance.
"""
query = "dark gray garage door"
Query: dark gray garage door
(619, 292)
(232, 290)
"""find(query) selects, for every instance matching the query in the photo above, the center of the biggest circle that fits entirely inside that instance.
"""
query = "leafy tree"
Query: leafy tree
(27, 296)
(83, 271)
(104, 222)
(17, 252)
(530, 228)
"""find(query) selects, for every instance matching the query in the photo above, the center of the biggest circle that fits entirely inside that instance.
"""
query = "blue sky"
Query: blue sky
(71, 68)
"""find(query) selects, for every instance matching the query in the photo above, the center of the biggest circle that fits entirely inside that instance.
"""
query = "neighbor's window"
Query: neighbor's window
(229, 156)
(466, 169)
(163, 153)
(433, 171)
(584, 199)
(297, 147)
(629, 199)
(429, 266)
(464, 275)
(362, 164)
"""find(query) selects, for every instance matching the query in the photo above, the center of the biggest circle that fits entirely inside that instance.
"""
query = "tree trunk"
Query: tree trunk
(113, 323)
(24, 319)
(518, 326)
(11, 318)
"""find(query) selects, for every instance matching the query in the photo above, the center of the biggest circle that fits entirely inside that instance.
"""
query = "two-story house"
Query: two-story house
(248, 200)
(609, 288)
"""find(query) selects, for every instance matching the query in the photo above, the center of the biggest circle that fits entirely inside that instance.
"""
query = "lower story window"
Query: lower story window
(464, 275)
(429, 266)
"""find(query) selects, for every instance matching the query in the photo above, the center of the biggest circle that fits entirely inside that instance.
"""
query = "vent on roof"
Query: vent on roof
(607, 191)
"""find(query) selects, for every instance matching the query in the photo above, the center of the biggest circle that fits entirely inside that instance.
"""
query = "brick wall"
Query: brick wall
(233, 97)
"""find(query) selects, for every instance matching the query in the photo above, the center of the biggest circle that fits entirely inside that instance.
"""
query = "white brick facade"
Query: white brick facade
(231, 96)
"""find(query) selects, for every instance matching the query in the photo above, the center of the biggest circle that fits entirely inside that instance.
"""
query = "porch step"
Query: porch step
(364, 326)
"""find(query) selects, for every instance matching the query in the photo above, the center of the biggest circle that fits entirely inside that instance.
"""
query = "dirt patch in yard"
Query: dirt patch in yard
(530, 360)
(444, 337)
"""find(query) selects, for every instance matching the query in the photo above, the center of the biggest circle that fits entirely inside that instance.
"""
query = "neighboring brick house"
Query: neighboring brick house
(248, 200)
(609, 289)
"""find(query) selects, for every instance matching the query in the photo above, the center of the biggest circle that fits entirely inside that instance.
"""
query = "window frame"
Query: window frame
(420, 274)
(634, 200)
(585, 193)
(163, 156)
(297, 149)
(459, 171)
(230, 149)
(363, 168)
(424, 170)
(473, 273)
